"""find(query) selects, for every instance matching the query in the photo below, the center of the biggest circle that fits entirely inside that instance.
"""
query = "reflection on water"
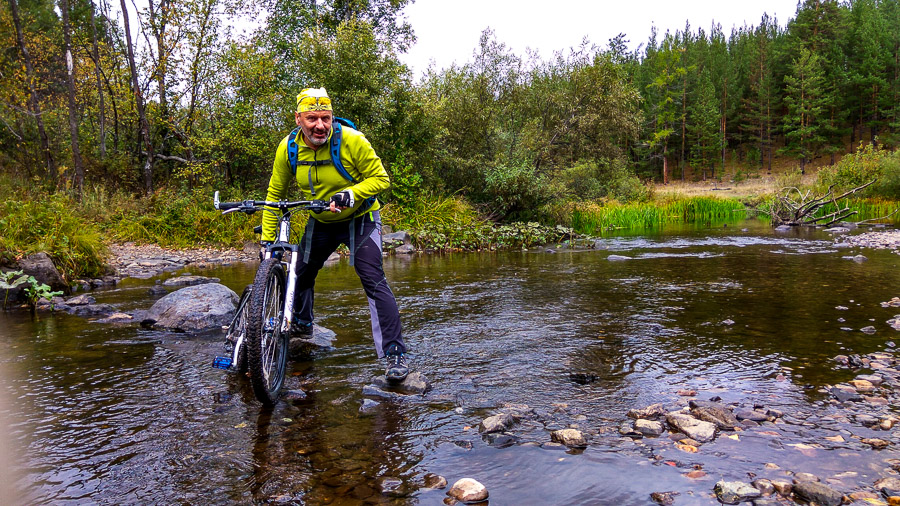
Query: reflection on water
(114, 414)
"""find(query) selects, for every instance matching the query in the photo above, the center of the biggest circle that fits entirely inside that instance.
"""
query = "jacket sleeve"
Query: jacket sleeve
(372, 174)
(278, 189)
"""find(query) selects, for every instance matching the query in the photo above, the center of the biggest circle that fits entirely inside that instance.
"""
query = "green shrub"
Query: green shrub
(869, 162)
(517, 190)
(604, 179)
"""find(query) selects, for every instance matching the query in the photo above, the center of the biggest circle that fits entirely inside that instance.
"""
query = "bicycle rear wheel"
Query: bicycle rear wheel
(267, 348)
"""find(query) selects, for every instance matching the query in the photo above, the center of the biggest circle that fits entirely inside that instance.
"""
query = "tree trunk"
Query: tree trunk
(33, 103)
(139, 103)
(73, 107)
(101, 106)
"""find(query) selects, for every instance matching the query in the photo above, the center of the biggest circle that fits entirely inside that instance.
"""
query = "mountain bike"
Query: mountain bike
(256, 340)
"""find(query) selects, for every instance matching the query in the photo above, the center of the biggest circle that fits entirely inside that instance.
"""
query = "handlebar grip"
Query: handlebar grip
(229, 205)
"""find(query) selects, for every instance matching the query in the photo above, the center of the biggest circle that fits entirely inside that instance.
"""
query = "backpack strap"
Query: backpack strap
(336, 136)
(292, 150)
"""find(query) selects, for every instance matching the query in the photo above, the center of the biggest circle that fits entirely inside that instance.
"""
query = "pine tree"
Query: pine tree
(805, 102)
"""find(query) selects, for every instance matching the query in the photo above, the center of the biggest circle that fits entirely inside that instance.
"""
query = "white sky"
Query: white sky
(448, 32)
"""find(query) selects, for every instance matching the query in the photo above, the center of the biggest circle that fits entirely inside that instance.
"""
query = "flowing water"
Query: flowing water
(101, 413)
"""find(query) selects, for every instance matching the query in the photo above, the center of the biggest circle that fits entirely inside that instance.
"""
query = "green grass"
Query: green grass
(867, 209)
(49, 224)
(594, 219)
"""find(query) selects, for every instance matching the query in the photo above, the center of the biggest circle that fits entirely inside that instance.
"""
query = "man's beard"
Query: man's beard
(313, 140)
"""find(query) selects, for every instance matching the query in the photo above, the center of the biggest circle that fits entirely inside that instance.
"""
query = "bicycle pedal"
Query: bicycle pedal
(222, 362)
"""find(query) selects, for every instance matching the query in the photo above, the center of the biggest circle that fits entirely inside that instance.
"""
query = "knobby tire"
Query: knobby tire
(267, 346)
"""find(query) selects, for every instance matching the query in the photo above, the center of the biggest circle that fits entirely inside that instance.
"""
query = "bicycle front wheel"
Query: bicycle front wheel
(267, 346)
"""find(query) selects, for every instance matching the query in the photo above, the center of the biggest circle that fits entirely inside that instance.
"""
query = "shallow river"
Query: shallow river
(118, 414)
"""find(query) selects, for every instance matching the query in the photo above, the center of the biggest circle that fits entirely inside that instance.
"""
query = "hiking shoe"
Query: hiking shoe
(300, 329)
(397, 370)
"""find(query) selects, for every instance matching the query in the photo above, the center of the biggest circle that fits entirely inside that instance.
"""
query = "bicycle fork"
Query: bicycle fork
(289, 295)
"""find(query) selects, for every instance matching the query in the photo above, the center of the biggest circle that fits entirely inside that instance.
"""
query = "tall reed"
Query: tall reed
(593, 219)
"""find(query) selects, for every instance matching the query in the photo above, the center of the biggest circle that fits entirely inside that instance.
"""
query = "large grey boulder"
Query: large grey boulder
(41, 267)
(196, 307)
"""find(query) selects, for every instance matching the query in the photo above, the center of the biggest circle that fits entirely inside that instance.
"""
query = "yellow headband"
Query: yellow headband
(313, 99)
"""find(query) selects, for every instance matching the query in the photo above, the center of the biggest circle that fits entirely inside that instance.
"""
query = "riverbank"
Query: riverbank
(145, 261)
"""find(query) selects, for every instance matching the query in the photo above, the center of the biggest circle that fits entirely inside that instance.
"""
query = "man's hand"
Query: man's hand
(341, 200)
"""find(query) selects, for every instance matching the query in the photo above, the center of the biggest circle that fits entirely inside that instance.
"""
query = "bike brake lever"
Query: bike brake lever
(232, 210)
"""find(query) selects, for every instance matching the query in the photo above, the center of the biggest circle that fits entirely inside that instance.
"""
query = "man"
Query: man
(353, 218)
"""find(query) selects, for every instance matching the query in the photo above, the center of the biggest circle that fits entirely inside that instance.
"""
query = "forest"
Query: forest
(168, 100)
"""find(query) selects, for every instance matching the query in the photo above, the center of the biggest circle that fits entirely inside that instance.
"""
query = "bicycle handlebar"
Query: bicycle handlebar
(251, 206)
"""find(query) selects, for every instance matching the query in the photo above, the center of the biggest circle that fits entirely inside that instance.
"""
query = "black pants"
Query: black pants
(363, 236)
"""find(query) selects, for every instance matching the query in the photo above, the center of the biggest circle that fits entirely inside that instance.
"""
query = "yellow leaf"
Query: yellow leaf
(240, 425)
(687, 448)
(734, 436)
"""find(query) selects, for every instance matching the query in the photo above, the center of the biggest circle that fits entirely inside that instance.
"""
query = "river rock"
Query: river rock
(569, 437)
(80, 300)
(617, 258)
(397, 238)
(368, 406)
(664, 498)
(321, 337)
(116, 318)
(374, 391)
(783, 487)
(695, 429)
(845, 395)
(802, 477)
(718, 415)
(874, 379)
(651, 412)
(435, 481)
(819, 493)
(863, 386)
(92, 310)
(500, 439)
(41, 267)
(496, 423)
(390, 486)
(764, 486)
(157, 290)
(649, 427)
(468, 490)
(889, 486)
(875, 443)
(415, 384)
(734, 492)
(195, 308)
(783, 228)
(751, 414)
(189, 281)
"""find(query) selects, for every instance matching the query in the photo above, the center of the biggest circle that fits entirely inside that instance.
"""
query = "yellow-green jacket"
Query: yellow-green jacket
(359, 160)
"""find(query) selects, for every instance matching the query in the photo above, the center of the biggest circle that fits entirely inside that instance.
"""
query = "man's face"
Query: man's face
(315, 125)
